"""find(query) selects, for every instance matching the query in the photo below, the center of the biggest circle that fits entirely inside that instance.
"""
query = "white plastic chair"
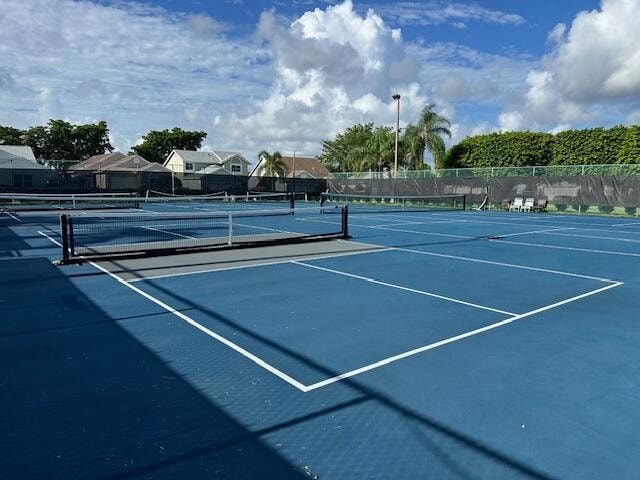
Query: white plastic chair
(528, 204)
(517, 204)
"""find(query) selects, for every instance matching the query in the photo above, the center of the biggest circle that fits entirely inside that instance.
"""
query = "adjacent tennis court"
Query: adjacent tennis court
(399, 338)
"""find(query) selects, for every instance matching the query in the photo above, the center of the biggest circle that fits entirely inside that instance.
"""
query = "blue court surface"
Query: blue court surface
(444, 345)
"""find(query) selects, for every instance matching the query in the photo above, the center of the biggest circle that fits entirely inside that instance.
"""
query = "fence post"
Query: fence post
(583, 170)
(534, 171)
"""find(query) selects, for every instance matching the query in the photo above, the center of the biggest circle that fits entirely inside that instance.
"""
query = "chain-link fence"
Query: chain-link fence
(534, 171)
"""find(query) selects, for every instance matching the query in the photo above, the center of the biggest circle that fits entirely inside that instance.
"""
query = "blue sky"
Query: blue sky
(286, 74)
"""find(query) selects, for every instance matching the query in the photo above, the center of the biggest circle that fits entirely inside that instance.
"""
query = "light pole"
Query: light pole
(293, 183)
(396, 97)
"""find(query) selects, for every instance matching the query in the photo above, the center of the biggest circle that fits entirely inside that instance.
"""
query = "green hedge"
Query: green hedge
(595, 146)
(572, 147)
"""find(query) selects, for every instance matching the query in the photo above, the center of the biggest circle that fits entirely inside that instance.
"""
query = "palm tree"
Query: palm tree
(274, 165)
(427, 134)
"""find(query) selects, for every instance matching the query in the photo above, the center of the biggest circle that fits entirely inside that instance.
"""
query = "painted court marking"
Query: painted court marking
(456, 338)
(13, 216)
(307, 388)
(400, 287)
(167, 231)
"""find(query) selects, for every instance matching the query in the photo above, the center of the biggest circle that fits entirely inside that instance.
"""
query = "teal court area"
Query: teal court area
(433, 344)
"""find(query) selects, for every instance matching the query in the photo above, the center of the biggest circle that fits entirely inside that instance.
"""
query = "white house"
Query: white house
(218, 162)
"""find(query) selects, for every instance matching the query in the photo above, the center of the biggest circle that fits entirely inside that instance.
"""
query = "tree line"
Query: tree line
(61, 140)
(365, 147)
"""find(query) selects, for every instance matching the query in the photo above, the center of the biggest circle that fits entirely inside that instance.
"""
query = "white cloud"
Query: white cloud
(439, 12)
(333, 68)
(592, 74)
(557, 34)
(136, 66)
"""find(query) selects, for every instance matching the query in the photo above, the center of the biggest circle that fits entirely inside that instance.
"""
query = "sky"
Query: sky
(283, 75)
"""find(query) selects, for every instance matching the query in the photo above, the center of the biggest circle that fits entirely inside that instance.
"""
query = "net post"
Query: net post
(72, 243)
(230, 222)
(464, 202)
(345, 222)
(64, 231)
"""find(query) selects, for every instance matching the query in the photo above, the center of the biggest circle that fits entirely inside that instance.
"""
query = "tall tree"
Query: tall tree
(157, 144)
(380, 149)
(427, 134)
(91, 139)
(11, 136)
(348, 151)
(60, 140)
(274, 165)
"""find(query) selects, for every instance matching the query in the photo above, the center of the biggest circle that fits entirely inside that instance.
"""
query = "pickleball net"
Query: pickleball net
(16, 202)
(109, 234)
(332, 202)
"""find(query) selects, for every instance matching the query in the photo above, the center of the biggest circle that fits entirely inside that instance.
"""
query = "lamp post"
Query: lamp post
(293, 183)
(396, 97)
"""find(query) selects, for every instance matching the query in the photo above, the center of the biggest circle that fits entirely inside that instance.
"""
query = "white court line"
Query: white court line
(516, 217)
(522, 225)
(170, 233)
(550, 223)
(502, 264)
(456, 338)
(393, 229)
(264, 228)
(203, 329)
(277, 262)
(549, 232)
(13, 216)
(575, 249)
(630, 224)
(50, 239)
(352, 373)
(587, 250)
(207, 331)
(399, 287)
(529, 232)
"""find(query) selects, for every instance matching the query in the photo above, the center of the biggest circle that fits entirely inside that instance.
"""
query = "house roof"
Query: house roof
(309, 165)
(10, 161)
(19, 151)
(213, 157)
(118, 161)
(214, 169)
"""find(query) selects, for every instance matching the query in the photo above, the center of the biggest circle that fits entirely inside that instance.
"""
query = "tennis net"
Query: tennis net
(331, 202)
(37, 202)
(106, 235)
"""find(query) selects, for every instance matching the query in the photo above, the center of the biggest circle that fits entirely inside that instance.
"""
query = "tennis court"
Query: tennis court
(434, 343)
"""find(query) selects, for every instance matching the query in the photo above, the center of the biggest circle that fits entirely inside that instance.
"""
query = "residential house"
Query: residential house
(214, 162)
(302, 167)
(20, 173)
(117, 171)
(310, 176)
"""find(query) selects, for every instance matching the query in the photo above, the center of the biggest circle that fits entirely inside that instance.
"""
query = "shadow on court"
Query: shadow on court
(82, 399)
(447, 453)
